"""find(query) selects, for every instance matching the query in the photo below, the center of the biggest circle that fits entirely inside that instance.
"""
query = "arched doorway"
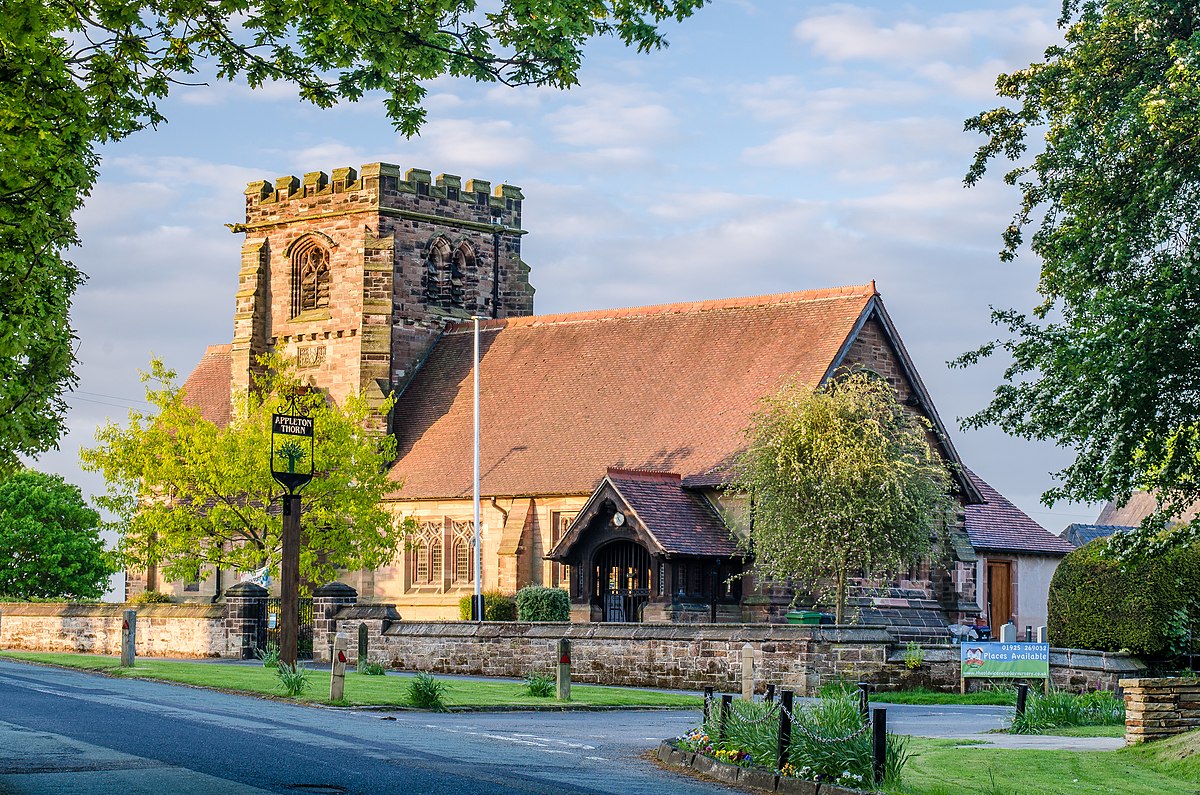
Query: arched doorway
(623, 572)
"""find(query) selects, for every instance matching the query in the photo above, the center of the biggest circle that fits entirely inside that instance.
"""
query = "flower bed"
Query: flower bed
(760, 778)
(829, 745)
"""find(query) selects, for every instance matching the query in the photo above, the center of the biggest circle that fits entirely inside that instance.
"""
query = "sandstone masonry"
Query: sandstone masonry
(1157, 708)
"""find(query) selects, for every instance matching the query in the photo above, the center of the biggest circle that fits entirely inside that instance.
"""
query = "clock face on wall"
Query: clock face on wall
(618, 518)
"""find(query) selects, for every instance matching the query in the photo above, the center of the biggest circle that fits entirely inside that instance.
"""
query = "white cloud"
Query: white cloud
(851, 33)
(614, 117)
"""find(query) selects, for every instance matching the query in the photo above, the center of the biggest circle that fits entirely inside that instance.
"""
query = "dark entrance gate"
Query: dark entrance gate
(623, 580)
(304, 638)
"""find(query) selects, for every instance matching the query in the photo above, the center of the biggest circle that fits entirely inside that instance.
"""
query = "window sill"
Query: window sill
(311, 316)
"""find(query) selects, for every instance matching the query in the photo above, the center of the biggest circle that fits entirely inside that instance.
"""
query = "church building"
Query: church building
(607, 436)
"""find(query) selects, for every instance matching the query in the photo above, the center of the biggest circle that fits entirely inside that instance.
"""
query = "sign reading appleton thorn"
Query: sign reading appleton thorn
(291, 450)
(1011, 660)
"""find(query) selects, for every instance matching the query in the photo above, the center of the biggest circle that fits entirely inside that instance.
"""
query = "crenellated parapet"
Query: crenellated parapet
(415, 193)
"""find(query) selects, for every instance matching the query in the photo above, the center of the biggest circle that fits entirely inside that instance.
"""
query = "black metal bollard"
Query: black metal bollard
(708, 697)
(1022, 698)
(879, 744)
(723, 717)
(864, 700)
(769, 697)
(1029, 633)
(785, 727)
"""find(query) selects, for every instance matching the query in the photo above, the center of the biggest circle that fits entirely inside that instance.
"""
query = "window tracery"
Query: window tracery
(310, 276)
(446, 270)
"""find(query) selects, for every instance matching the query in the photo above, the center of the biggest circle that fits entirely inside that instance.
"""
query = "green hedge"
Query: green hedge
(1094, 603)
(496, 607)
(535, 603)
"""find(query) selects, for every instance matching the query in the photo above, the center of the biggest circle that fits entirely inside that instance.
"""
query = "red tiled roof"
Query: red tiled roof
(207, 388)
(999, 525)
(1141, 504)
(563, 397)
(683, 522)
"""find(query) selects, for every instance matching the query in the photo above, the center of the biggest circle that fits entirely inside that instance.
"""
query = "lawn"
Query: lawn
(1002, 697)
(360, 690)
(947, 767)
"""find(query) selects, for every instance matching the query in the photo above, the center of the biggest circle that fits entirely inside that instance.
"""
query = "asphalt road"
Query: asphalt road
(71, 732)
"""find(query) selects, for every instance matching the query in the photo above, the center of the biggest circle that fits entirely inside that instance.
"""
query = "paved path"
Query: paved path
(977, 723)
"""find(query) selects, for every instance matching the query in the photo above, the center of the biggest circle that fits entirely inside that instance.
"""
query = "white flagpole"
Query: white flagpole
(478, 546)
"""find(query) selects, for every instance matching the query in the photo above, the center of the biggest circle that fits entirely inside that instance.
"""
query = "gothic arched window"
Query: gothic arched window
(462, 571)
(310, 276)
(446, 269)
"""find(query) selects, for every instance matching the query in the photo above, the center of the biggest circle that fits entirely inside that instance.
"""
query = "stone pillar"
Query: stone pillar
(1158, 708)
(328, 600)
(245, 605)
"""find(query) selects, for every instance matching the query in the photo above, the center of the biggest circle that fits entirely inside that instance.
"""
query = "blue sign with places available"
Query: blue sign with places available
(1006, 660)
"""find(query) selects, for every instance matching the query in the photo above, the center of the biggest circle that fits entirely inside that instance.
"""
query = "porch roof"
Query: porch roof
(673, 520)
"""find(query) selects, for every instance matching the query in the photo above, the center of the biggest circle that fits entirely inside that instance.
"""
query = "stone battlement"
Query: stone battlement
(380, 179)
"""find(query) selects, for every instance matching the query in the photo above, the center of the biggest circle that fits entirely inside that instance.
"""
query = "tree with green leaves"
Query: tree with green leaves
(1108, 364)
(189, 494)
(842, 482)
(77, 75)
(50, 544)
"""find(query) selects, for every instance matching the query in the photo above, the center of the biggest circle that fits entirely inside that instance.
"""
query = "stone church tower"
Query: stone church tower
(353, 278)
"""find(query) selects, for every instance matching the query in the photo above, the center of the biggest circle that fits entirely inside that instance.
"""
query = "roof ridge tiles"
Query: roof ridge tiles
(646, 474)
(867, 290)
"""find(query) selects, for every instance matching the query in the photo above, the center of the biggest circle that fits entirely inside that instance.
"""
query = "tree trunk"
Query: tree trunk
(840, 607)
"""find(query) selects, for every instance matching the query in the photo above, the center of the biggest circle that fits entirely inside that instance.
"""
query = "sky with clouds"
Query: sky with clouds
(776, 145)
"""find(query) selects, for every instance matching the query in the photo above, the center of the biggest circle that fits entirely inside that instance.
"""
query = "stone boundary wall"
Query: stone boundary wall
(1157, 708)
(690, 657)
(163, 630)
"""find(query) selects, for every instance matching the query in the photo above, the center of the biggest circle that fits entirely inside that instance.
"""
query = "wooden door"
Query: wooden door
(999, 594)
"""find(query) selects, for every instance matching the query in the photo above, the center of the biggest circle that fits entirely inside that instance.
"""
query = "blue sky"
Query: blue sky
(774, 146)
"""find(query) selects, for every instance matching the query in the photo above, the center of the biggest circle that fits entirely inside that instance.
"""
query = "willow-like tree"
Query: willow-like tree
(74, 75)
(1108, 363)
(189, 494)
(842, 482)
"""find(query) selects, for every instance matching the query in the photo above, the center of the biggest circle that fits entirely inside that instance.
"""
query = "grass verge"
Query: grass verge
(946, 767)
(360, 690)
(1000, 697)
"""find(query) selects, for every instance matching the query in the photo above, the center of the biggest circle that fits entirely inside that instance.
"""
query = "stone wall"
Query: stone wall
(162, 630)
(1157, 708)
(799, 658)
(646, 655)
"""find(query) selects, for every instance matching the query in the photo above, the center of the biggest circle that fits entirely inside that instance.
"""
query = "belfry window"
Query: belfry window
(446, 268)
(310, 276)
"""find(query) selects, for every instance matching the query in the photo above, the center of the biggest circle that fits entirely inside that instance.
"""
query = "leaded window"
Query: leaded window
(310, 276)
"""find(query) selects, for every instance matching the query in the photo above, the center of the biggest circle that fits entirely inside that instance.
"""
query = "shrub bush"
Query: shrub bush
(1058, 709)
(293, 679)
(496, 607)
(425, 692)
(1097, 603)
(152, 598)
(535, 603)
(540, 685)
(269, 655)
(368, 668)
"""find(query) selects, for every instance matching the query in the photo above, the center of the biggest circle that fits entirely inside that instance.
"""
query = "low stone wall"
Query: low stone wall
(692, 657)
(162, 630)
(1075, 670)
(1157, 708)
(644, 655)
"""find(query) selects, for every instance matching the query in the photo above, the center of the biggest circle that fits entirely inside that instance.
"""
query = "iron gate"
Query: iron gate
(304, 637)
(623, 580)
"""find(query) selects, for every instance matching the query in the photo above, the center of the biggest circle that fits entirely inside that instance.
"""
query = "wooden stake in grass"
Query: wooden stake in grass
(564, 670)
(337, 679)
